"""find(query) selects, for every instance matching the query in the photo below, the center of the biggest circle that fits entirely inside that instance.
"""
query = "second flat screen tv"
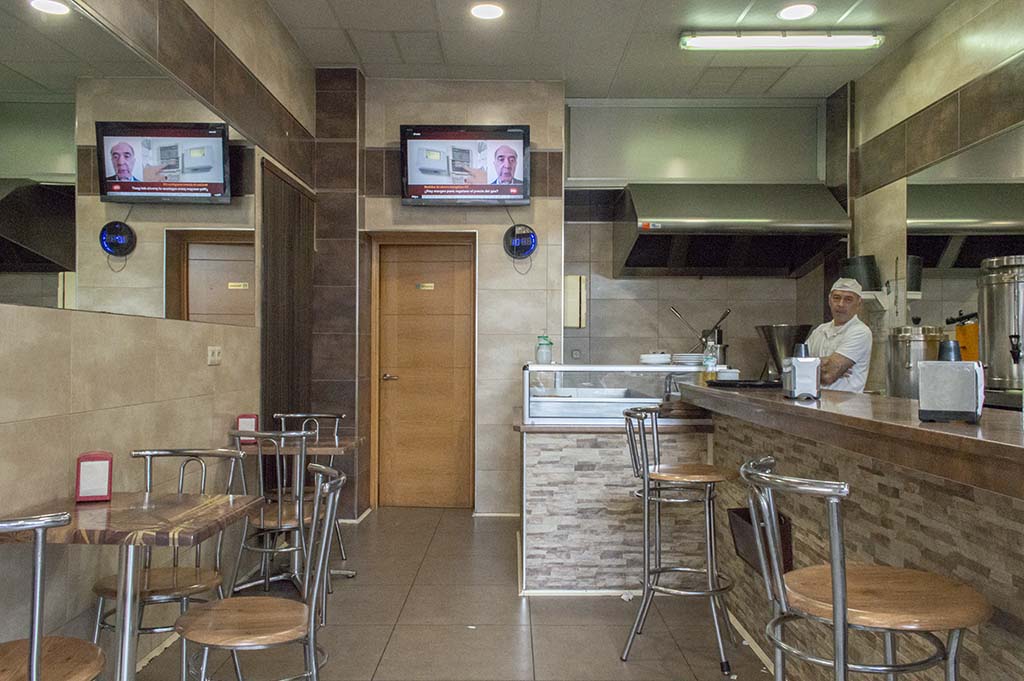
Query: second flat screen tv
(465, 165)
(163, 162)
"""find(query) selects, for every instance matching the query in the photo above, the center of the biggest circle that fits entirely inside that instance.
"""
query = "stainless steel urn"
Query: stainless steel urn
(908, 345)
(1000, 311)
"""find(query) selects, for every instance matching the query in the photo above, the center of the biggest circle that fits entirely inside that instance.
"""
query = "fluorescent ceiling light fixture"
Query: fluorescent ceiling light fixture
(487, 11)
(782, 40)
(50, 6)
(797, 12)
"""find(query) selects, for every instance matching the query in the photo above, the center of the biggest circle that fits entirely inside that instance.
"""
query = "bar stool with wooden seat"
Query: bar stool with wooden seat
(675, 484)
(176, 583)
(258, 622)
(50, 658)
(330, 426)
(286, 510)
(895, 603)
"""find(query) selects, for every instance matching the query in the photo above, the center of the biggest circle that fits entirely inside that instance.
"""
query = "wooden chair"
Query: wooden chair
(178, 583)
(259, 622)
(50, 658)
(673, 485)
(892, 602)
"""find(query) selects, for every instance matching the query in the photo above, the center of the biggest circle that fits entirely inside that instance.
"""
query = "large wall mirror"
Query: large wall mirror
(959, 212)
(59, 75)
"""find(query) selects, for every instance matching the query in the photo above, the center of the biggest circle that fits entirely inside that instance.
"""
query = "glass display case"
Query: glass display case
(570, 394)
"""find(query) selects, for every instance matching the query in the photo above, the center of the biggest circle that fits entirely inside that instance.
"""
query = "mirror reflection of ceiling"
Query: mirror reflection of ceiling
(600, 48)
(999, 160)
(42, 55)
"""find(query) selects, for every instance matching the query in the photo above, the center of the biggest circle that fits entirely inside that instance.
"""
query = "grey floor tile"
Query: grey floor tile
(684, 611)
(467, 605)
(376, 570)
(745, 665)
(360, 603)
(164, 667)
(457, 653)
(591, 653)
(468, 569)
(473, 540)
(588, 610)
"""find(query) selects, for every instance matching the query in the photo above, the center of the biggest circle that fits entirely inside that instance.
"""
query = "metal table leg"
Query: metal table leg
(129, 567)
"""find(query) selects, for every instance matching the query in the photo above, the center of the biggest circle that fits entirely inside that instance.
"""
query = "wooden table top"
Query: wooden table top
(989, 454)
(346, 445)
(144, 519)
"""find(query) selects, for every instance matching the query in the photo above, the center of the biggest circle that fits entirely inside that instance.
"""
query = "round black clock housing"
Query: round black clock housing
(117, 238)
(520, 241)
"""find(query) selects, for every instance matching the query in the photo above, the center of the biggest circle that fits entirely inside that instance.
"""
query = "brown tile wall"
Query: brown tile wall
(185, 45)
(985, 107)
(337, 379)
(893, 517)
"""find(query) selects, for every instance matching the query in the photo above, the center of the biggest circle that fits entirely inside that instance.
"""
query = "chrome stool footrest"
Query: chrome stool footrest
(724, 583)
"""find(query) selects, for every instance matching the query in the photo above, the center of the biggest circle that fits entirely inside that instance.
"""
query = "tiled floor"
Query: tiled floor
(436, 599)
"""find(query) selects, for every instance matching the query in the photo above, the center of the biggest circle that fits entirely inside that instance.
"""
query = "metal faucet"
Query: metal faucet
(668, 385)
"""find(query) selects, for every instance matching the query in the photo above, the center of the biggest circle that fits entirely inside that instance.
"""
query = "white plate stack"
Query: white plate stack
(689, 358)
(656, 358)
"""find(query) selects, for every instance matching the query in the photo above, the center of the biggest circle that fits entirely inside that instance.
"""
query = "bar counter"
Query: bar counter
(947, 498)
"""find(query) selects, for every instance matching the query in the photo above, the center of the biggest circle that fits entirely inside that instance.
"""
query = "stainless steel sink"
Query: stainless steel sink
(586, 402)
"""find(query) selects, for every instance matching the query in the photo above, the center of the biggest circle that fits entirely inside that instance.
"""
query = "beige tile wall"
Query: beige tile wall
(252, 30)
(81, 381)
(966, 40)
(513, 308)
(628, 317)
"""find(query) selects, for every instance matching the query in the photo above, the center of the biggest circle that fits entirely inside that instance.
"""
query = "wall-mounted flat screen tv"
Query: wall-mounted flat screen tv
(465, 165)
(163, 162)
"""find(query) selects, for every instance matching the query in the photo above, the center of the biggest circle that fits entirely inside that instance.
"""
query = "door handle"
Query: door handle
(389, 377)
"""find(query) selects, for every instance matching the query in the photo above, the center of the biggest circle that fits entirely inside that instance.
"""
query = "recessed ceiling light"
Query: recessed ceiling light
(782, 40)
(797, 12)
(487, 11)
(50, 6)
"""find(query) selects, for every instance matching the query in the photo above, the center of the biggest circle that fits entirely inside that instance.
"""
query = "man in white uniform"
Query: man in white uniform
(844, 344)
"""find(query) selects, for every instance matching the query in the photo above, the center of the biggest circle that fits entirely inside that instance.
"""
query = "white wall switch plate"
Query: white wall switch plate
(214, 354)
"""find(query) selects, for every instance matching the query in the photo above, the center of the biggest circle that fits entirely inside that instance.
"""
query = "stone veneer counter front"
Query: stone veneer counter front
(581, 523)
(923, 496)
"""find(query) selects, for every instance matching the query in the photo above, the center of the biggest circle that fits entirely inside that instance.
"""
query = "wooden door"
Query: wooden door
(426, 382)
(222, 284)
(287, 270)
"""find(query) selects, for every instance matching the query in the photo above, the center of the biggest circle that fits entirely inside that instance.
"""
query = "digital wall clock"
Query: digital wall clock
(117, 238)
(520, 241)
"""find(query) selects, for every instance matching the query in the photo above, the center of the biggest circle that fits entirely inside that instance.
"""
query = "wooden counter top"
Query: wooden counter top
(989, 455)
(695, 426)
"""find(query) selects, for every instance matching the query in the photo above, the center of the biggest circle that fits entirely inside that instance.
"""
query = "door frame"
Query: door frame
(176, 243)
(399, 238)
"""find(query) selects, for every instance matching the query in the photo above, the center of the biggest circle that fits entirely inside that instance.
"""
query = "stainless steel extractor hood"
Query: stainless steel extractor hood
(37, 226)
(779, 230)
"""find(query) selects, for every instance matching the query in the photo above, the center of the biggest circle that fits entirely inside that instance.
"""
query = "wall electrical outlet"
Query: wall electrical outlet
(214, 354)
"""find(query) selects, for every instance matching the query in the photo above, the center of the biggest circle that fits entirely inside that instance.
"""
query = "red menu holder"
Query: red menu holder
(248, 422)
(95, 476)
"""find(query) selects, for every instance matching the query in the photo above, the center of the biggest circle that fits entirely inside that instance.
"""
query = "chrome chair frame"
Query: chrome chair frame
(644, 458)
(328, 484)
(763, 484)
(37, 525)
(313, 420)
(280, 496)
(188, 456)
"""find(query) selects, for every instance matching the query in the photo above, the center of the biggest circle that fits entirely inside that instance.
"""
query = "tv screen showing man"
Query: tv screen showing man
(505, 161)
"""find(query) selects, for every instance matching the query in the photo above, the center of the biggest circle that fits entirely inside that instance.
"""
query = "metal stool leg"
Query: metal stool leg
(99, 621)
(648, 594)
(712, 574)
(204, 665)
(889, 638)
(645, 606)
(953, 655)
(234, 653)
(184, 644)
(241, 550)
(341, 542)
(720, 598)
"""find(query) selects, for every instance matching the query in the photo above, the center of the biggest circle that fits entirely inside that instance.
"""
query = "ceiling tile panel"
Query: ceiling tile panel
(588, 81)
(406, 71)
(504, 49)
(14, 82)
(757, 59)
(326, 47)
(376, 47)
(905, 15)
(763, 15)
(755, 82)
(589, 16)
(422, 47)
(54, 77)
(305, 13)
(812, 81)
(386, 15)
(715, 81)
(672, 16)
(520, 15)
(19, 42)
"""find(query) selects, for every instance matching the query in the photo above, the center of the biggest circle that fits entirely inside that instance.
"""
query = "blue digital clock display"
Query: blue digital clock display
(117, 238)
(520, 241)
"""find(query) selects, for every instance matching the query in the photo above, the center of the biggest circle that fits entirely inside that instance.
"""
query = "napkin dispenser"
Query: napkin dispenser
(951, 391)
(801, 378)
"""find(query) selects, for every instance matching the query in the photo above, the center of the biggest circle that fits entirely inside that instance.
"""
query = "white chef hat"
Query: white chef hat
(847, 284)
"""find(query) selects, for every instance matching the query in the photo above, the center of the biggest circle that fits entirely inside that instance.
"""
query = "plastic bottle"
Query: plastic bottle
(544, 346)
(709, 362)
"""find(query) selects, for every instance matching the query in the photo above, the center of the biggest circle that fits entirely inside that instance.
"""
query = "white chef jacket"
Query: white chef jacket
(851, 340)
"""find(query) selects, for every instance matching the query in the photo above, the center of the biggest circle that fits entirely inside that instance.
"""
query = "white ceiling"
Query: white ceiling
(600, 48)
(41, 55)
